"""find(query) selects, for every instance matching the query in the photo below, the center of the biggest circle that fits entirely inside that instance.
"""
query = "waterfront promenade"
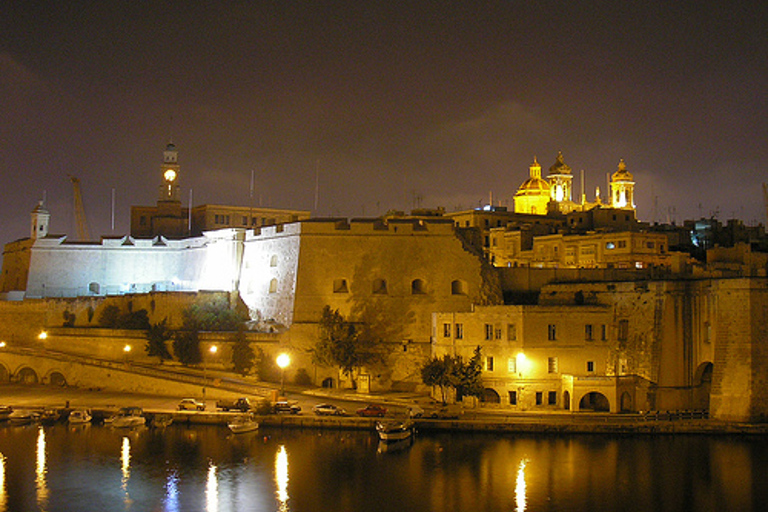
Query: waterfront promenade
(479, 419)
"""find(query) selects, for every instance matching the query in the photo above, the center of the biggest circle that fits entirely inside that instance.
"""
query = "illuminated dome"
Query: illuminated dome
(559, 167)
(622, 174)
(533, 186)
(533, 194)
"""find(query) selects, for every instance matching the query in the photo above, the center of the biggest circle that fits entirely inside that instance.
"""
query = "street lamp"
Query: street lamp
(212, 349)
(283, 360)
(127, 351)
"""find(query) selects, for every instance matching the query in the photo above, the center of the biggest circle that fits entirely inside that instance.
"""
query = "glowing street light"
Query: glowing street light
(213, 349)
(283, 360)
(43, 335)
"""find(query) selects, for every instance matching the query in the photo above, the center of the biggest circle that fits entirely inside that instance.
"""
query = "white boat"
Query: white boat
(128, 417)
(394, 430)
(243, 423)
(23, 417)
(5, 412)
(79, 417)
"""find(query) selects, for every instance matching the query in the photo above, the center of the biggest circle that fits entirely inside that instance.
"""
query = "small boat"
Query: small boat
(394, 430)
(23, 417)
(162, 420)
(5, 412)
(79, 417)
(50, 416)
(243, 423)
(129, 417)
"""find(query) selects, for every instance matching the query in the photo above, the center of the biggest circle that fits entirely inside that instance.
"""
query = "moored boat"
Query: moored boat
(243, 423)
(79, 417)
(394, 430)
(162, 420)
(129, 417)
(5, 412)
(23, 416)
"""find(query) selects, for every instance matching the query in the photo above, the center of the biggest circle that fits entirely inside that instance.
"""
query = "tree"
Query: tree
(109, 317)
(243, 356)
(341, 344)
(157, 336)
(212, 315)
(470, 376)
(442, 372)
(186, 346)
(451, 372)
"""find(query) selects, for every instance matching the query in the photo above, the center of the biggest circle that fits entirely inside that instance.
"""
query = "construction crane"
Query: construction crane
(765, 199)
(83, 233)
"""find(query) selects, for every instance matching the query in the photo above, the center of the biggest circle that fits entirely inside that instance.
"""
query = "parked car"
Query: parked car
(372, 410)
(415, 411)
(447, 412)
(328, 410)
(190, 404)
(241, 404)
(285, 407)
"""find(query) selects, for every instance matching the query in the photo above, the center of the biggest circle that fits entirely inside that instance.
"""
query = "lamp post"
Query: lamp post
(212, 349)
(127, 351)
(283, 360)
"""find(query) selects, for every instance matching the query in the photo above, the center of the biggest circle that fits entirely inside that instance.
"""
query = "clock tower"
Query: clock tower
(169, 188)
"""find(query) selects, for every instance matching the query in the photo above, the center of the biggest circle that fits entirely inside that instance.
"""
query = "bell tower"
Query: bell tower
(41, 218)
(623, 188)
(560, 180)
(169, 188)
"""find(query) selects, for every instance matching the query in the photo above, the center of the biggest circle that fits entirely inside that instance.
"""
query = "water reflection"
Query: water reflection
(212, 490)
(520, 500)
(40, 471)
(125, 460)
(3, 495)
(172, 492)
(281, 478)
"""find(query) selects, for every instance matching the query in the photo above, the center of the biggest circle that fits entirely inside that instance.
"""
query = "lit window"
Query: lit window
(610, 245)
(512, 365)
(273, 260)
(489, 364)
(273, 286)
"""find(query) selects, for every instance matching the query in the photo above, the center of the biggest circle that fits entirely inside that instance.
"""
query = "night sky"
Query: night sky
(379, 105)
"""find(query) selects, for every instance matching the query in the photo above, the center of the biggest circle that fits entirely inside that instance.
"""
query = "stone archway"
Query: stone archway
(567, 400)
(702, 385)
(5, 375)
(328, 383)
(490, 396)
(626, 402)
(27, 375)
(594, 401)
(56, 378)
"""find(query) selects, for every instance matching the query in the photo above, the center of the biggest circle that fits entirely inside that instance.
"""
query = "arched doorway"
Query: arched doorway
(567, 400)
(626, 402)
(594, 401)
(27, 376)
(328, 383)
(57, 379)
(702, 386)
(490, 396)
(5, 375)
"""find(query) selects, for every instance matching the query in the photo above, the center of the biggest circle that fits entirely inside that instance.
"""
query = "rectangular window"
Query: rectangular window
(552, 366)
(459, 331)
(497, 332)
(143, 220)
(513, 398)
(552, 398)
(512, 365)
(551, 332)
(623, 330)
(650, 245)
(446, 330)
(590, 366)
(489, 364)
(511, 332)
(539, 398)
(588, 332)
(603, 332)
(245, 221)
(488, 331)
(622, 244)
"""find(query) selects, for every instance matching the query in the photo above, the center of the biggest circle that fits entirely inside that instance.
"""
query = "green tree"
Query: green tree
(342, 345)
(470, 382)
(186, 346)
(213, 315)
(440, 372)
(243, 356)
(157, 336)
(109, 317)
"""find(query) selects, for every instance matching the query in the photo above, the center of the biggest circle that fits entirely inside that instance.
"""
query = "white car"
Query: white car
(190, 404)
(328, 410)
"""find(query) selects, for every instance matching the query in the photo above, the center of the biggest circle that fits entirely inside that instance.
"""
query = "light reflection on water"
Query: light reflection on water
(207, 469)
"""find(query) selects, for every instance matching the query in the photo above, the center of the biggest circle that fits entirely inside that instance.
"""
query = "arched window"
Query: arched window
(418, 287)
(273, 260)
(273, 286)
(458, 287)
(380, 286)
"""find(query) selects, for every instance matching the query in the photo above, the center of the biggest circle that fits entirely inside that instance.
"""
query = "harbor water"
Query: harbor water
(206, 468)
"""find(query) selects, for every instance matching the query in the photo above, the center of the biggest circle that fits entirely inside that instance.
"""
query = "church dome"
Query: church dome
(622, 174)
(533, 186)
(559, 167)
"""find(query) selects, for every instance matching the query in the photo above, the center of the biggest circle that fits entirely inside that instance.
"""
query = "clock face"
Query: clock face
(169, 175)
